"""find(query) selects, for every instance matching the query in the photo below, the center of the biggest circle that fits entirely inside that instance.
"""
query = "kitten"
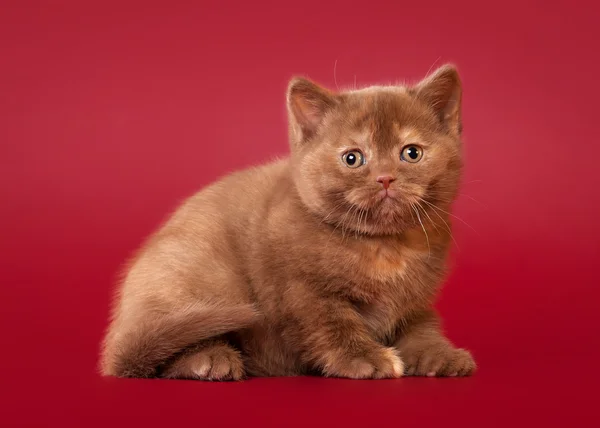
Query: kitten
(324, 263)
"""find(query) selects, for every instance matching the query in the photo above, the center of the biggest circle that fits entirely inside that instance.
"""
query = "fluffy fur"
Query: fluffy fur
(307, 265)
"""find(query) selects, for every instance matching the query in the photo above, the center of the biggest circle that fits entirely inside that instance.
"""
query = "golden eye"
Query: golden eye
(411, 154)
(353, 159)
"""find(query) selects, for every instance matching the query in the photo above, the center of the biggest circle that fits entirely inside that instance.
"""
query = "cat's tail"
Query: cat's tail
(139, 351)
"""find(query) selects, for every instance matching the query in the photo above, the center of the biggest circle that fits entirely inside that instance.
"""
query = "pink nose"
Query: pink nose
(385, 180)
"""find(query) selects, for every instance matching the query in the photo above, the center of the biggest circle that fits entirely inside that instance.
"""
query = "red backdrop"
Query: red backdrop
(112, 112)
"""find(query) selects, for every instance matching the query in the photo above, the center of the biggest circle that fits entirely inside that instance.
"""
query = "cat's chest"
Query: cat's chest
(389, 280)
(383, 261)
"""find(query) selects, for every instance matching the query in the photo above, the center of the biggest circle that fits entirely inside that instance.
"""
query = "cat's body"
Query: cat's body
(276, 271)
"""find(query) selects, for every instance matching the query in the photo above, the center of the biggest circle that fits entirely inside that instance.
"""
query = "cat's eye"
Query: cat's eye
(412, 154)
(353, 159)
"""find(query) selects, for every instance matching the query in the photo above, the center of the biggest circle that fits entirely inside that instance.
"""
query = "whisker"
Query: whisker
(359, 223)
(448, 228)
(422, 227)
(411, 214)
(460, 194)
(432, 65)
(416, 95)
(450, 214)
(339, 224)
(338, 206)
(356, 211)
(334, 75)
(427, 214)
(366, 219)
(353, 211)
(343, 222)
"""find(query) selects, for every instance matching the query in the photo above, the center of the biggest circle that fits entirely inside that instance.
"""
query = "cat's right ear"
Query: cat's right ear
(307, 103)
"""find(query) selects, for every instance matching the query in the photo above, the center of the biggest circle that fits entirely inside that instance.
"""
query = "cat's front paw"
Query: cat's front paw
(380, 363)
(438, 360)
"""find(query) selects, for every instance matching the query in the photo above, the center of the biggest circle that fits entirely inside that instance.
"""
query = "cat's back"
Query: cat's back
(207, 236)
(235, 199)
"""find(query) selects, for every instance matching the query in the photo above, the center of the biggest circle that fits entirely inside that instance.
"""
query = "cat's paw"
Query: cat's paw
(439, 360)
(379, 363)
(218, 362)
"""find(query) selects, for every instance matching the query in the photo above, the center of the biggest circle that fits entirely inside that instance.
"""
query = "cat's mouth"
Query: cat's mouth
(384, 194)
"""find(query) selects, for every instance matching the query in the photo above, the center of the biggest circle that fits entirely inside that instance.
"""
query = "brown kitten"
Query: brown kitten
(327, 262)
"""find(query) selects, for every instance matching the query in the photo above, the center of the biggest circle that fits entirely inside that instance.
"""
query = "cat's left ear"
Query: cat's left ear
(442, 91)
(308, 103)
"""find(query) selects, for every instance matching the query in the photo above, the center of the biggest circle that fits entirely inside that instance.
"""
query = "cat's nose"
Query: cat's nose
(385, 180)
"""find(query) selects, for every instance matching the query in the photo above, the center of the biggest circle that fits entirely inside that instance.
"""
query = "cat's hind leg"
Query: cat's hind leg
(140, 349)
(183, 287)
(213, 360)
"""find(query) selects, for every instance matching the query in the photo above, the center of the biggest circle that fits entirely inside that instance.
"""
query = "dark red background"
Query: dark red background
(112, 112)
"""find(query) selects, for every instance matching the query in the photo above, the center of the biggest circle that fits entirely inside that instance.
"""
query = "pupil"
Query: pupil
(413, 153)
(351, 159)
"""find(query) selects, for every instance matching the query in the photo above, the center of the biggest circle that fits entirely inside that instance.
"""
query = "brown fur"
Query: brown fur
(300, 266)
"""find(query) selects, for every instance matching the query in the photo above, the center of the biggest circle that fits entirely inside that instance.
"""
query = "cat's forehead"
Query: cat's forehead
(383, 115)
(383, 107)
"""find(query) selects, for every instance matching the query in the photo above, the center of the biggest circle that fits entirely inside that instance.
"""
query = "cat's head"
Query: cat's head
(379, 159)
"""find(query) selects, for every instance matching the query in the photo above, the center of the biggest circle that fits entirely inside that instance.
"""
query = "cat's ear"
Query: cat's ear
(442, 91)
(307, 103)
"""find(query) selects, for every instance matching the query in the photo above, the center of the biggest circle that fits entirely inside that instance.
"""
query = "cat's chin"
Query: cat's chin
(387, 206)
(385, 229)
(390, 216)
(386, 219)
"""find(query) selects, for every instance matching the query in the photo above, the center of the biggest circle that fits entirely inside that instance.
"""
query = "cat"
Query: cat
(324, 263)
